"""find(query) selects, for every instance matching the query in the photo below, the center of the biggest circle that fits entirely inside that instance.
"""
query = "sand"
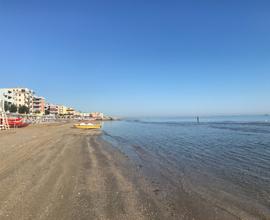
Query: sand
(58, 172)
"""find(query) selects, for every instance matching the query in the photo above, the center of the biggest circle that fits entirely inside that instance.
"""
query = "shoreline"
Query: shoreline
(54, 171)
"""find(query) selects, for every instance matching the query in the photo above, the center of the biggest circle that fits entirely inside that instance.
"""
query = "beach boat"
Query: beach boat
(17, 123)
(87, 126)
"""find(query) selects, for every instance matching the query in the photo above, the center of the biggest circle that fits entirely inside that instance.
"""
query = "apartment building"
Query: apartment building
(2, 99)
(7, 96)
(52, 108)
(71, 111)
(62, 110)
(39, 105)
(97, 115)
(18, 96)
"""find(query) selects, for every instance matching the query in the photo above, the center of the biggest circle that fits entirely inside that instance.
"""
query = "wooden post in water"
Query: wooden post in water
(198, 119)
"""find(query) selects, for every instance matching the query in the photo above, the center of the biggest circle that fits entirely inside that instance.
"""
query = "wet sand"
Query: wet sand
(57, 172)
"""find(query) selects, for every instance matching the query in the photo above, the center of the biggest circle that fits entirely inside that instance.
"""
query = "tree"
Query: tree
(13, 108)
(47, 112)
(23, 109)
(7, 106)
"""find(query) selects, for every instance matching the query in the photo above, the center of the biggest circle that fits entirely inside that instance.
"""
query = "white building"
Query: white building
(1, 96)
(7, 96)
(18, 96)
(97, 115)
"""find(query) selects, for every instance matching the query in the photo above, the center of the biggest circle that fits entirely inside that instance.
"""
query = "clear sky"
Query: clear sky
(140, 57)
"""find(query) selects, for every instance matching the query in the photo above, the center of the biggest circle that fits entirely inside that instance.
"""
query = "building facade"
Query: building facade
(97, 115)
(62, 110)
(52, 109)
(39, 105)
(71, 111)
(18, 97)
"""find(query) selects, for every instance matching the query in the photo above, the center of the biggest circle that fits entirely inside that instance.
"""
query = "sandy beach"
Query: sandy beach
(57, 172)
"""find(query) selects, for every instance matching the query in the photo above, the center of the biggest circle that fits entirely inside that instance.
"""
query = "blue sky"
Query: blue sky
(140, 57)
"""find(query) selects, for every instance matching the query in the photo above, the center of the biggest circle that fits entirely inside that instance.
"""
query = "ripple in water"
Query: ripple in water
(225, 162)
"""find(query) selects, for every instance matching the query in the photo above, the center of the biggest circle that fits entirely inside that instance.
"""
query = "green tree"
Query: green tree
(47, 112)
(13, 108)
(7, 106)
(23, 109)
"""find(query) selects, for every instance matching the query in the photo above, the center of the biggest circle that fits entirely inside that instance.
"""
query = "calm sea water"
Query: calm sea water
(222, 159)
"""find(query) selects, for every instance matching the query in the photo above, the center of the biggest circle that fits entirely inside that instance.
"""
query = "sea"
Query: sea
(223, 159)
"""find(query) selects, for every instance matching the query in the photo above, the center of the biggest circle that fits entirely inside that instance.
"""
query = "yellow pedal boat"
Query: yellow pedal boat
(87, 126)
